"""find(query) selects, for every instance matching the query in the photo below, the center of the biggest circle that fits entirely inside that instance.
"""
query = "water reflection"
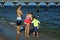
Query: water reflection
(26, 38)
(17, 36)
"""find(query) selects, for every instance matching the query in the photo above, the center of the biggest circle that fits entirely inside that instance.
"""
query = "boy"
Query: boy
(19, 18)
(36, 25)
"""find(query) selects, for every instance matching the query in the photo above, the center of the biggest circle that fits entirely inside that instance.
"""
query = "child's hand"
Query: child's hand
(39, 24)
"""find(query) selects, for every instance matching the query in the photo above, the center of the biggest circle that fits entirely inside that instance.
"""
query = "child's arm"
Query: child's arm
(32, 22)
(39, 23)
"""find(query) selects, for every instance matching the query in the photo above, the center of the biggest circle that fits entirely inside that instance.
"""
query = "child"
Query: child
(36, 25)
(19, 18)
(27, 23)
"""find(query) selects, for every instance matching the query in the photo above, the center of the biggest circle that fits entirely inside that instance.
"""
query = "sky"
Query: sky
(30, 4)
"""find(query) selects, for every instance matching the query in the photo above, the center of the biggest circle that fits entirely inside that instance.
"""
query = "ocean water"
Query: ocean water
(49, 17)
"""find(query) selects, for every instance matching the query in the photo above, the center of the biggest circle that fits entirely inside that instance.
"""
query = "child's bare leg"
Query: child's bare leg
(28, 30)
(37, 34)
(18, 29)
(25, 30)
(33, 33)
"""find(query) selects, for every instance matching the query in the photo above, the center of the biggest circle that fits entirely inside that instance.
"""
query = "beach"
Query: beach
(8, 32)
(49, 28)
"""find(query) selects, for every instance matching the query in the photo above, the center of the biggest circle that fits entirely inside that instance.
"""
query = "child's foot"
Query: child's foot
(34, 34)
(27, 36)
(18, 32)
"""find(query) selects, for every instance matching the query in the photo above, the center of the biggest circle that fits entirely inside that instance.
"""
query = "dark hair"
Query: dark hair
(30, 13)
(19, 5)
(35, 17)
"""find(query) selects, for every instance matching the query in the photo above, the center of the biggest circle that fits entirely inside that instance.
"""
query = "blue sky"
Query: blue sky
(30, 4)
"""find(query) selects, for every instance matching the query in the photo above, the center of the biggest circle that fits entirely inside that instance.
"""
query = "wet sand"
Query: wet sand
(9, 33)
(2, 37)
